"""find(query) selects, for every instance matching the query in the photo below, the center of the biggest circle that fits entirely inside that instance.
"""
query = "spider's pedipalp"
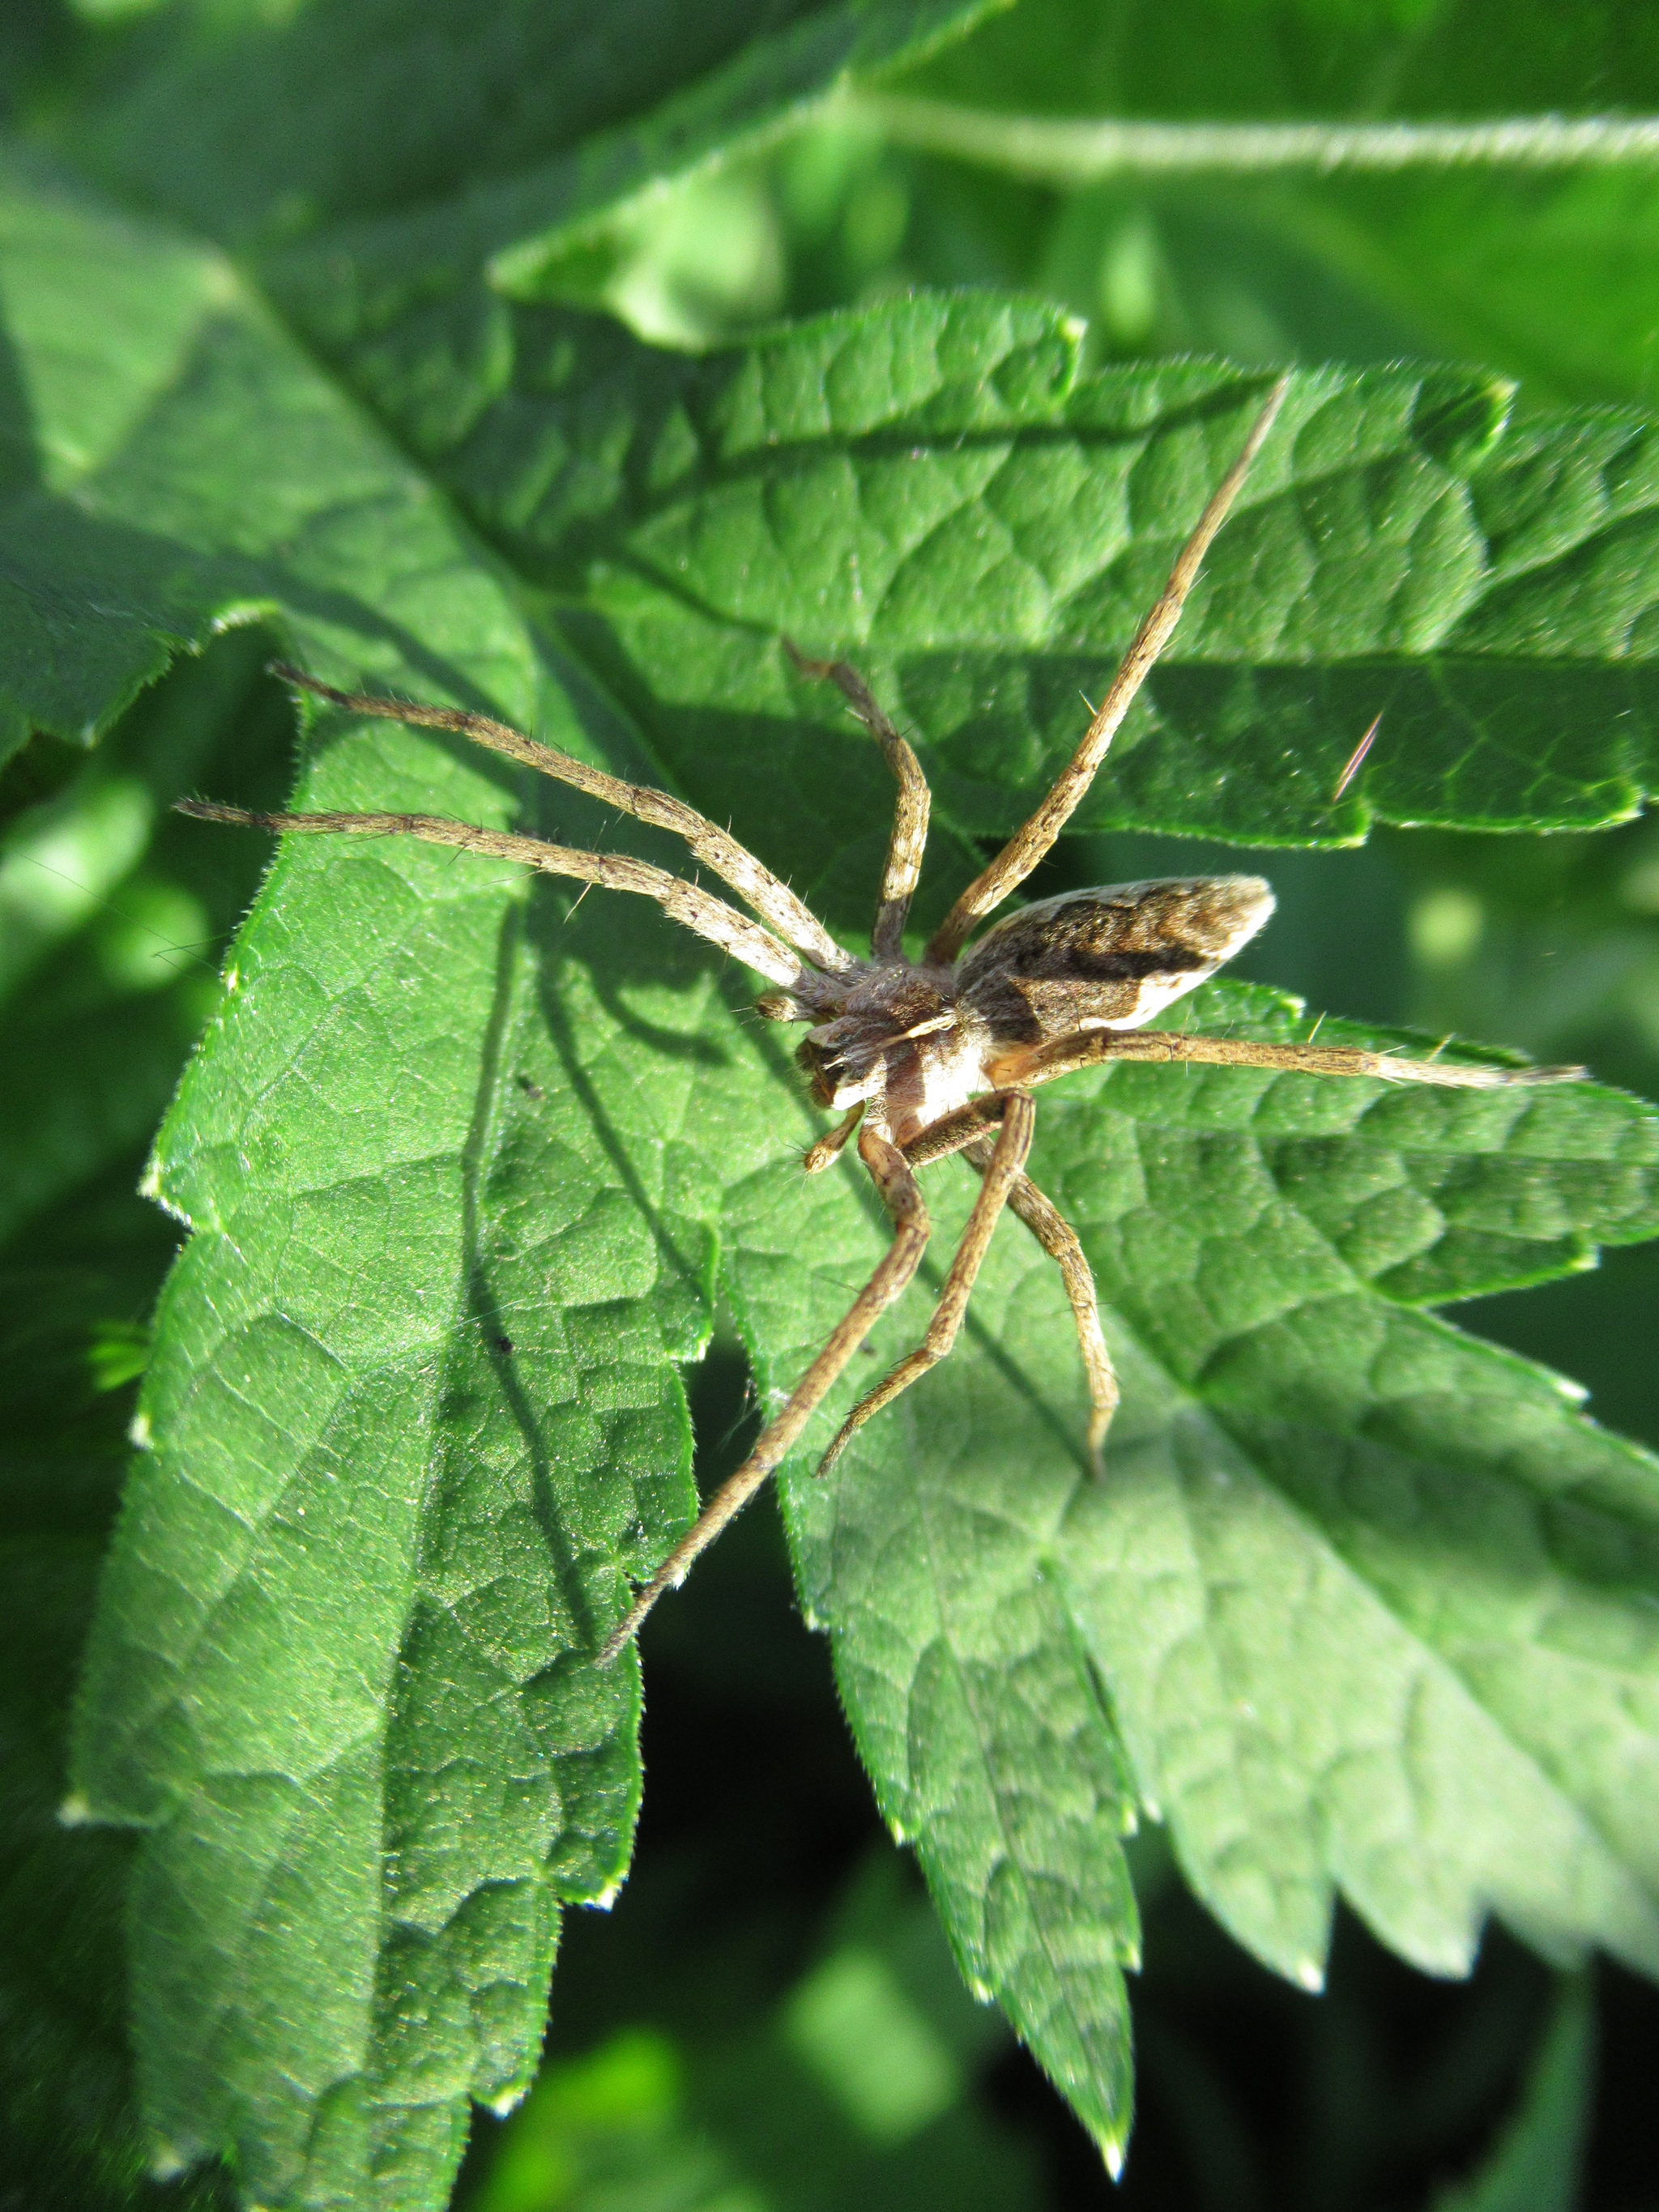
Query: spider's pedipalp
(826, 1150)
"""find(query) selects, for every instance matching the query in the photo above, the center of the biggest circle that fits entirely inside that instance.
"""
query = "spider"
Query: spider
(924, 1058)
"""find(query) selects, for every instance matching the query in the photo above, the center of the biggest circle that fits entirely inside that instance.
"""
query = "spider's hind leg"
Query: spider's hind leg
(1006, 1156)
(1060, 1241)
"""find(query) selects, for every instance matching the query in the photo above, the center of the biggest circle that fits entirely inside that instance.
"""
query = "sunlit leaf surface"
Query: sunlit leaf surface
(1364, 1608)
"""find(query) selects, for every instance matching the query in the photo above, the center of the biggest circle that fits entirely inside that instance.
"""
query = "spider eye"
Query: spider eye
(822, 1053)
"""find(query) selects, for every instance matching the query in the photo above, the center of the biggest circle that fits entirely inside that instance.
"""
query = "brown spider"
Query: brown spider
(935, 1056)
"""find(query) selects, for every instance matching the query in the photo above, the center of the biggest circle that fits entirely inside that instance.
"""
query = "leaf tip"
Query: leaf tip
(152, 1187)
(603, 1901)
(1112, 2149)
(1308, 1975)
(982, 1992)
(75, 1812)
(139, 1435)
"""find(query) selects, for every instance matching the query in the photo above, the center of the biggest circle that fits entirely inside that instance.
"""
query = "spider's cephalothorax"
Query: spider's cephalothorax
(940, 1054)
(911, 1042)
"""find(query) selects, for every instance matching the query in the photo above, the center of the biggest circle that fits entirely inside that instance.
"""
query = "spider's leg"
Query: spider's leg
(753, 882)
(954, 1132)
(699, 911)
(893, 1179)
(1028, 845)
(1006, 1158)
(908, 839)
(1060, 1241)
(1041, 1063)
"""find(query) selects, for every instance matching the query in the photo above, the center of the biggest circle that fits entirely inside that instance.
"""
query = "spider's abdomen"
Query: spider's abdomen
(1108, 958)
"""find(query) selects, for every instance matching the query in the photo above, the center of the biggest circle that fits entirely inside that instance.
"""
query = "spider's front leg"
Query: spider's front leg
(694, 908)
(908, 839)
(891, 1173)
(1005, 1159)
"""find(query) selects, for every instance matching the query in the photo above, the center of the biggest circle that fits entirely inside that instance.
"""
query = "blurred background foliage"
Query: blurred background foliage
(769, 2022)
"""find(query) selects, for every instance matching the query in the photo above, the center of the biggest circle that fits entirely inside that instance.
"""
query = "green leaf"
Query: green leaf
(1429, 1195)
(1355, 1597)
(401, 1520)
(1208, 58)
(113, 930)
(1361, 1604)
(464, 135)
(91, 607)
(1540, 272)
(1539, 275)
(870, 2057)
(73, 2129)
(102, 1023)
(226, 481)
(1536, 2163)
(936, 487)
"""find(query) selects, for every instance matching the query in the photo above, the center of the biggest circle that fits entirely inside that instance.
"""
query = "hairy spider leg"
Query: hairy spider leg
(1007, 1157)
(908, 840)
(968, 1124)
(903, 1198)
(966, 1130)
(1060, 1241)
(754, 883)
(1029, 843)
(1063, 1055)
(695, 909)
